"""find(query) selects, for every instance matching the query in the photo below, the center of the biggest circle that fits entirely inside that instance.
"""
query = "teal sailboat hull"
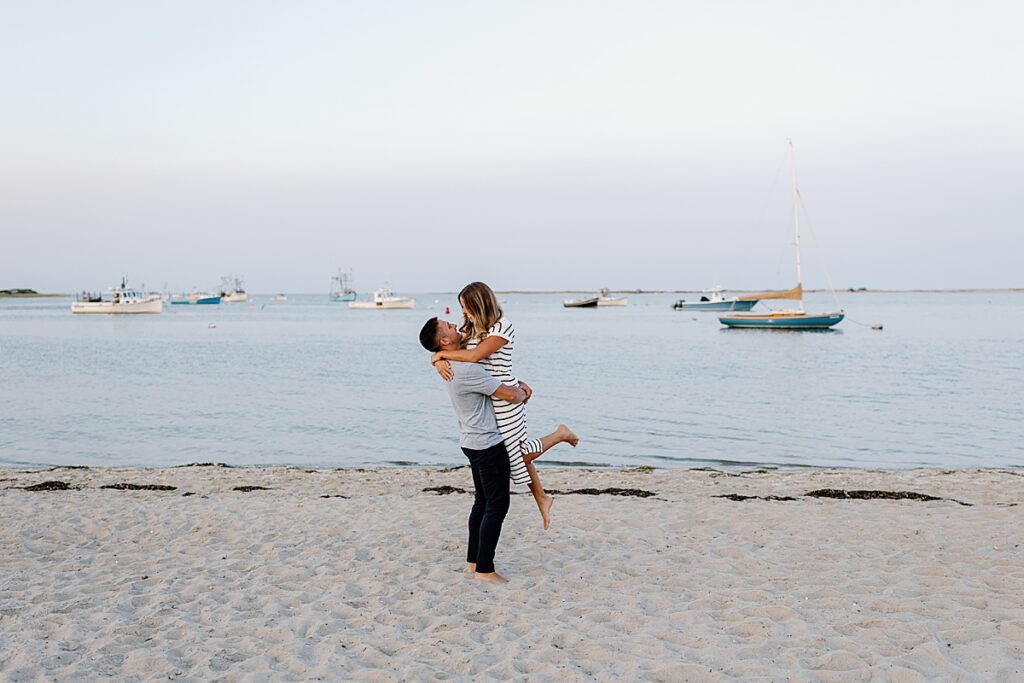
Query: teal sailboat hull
(783, 321)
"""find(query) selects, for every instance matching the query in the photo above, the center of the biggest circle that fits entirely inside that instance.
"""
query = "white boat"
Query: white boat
(231, 289)
(341, 287)
(712, 300)
(600, 299)
(279, 297)
(383, 298)
(120, 300)
(604, 300)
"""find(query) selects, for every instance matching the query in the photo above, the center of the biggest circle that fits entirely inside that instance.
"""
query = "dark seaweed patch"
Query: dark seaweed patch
(443, 490)
(50, 486)
(738, 497)
(205, 464)
(124, 486)
(875, 495)
(636, 493)
(247, 489)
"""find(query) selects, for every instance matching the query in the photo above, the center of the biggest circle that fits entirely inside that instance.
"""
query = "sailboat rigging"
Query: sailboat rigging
(798, 319)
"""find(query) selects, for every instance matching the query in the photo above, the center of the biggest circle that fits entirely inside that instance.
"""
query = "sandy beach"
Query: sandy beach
(358, 575)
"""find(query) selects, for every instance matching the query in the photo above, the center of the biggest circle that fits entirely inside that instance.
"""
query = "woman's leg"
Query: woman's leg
(543, 500)
(562, 434)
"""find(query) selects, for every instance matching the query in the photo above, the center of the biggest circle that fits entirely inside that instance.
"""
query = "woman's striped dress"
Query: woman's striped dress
(511, 416)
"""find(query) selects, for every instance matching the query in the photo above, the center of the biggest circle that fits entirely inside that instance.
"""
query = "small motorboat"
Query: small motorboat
(589, 302)
(712, 300)
(279, 297)
(603, 299)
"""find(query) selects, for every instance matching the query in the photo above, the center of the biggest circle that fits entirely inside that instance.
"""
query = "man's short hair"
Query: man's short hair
(428, 336)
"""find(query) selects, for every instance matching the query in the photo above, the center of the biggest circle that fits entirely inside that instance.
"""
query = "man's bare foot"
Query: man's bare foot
(545, 510)
(493, 577)
(567, 435)
(471, 567)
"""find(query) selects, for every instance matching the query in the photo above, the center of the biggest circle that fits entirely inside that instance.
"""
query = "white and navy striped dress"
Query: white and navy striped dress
(511, 416)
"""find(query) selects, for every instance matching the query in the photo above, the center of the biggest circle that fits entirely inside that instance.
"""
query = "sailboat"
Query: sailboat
(798, 319)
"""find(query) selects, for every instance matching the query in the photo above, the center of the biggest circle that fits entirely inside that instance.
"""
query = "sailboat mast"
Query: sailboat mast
(796, 221)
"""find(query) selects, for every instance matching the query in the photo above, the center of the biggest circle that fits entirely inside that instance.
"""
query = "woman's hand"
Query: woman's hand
(526, 390)
(444, 368)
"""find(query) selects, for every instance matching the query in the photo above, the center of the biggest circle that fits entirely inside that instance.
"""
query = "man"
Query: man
(470, 390)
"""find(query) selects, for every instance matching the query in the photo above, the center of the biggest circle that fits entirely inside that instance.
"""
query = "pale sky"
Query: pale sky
(533, 145)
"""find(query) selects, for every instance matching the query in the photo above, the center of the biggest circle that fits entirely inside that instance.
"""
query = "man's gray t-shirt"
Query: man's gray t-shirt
(470, 391)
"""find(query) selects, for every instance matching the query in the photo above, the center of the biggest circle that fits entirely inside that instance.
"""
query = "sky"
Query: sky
(532, 145)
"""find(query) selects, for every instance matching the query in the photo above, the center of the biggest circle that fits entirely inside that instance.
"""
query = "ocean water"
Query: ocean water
(309, 382)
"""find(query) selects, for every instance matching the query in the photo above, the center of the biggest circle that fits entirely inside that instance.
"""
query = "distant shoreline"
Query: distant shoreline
(26, 294)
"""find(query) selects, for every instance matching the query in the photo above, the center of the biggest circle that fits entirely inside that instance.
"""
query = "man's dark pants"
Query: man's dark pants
(491, 482)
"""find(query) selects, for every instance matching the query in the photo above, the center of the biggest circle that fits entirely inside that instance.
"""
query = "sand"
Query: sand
(286, 584)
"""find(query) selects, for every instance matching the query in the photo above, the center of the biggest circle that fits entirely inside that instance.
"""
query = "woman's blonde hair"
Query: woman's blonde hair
(478, 300)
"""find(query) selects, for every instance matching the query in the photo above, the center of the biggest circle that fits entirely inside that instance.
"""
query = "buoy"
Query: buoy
(446, 311)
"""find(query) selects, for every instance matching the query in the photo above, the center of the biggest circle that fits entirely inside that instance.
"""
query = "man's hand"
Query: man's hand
(509, 393)
(527, 390)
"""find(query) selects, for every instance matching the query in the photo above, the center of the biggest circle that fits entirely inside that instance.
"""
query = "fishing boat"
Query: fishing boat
(604, 299)
(120, 300)
(797, 319)
(712, 300)
(231, 289)
(279, 297)
(341, 287)
(195, 298)
(384, 299)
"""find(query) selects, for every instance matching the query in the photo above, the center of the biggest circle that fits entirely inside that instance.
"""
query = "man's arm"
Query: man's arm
(510, 394)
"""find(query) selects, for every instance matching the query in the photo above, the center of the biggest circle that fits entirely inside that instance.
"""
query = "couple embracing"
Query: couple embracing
(475, 359)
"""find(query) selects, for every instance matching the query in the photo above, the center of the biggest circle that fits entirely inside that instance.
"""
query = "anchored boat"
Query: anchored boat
(120, 300)
(604, 299)
(712, 300)
(195, 298)
(384, 299)
(341, 287)
(231, 289)
(798, 319)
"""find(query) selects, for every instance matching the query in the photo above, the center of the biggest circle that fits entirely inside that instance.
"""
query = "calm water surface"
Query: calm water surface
(309, 382)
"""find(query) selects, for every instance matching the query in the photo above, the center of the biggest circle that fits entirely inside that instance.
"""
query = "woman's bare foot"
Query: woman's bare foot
(567, 435)
(545, 510)
(493, 577)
